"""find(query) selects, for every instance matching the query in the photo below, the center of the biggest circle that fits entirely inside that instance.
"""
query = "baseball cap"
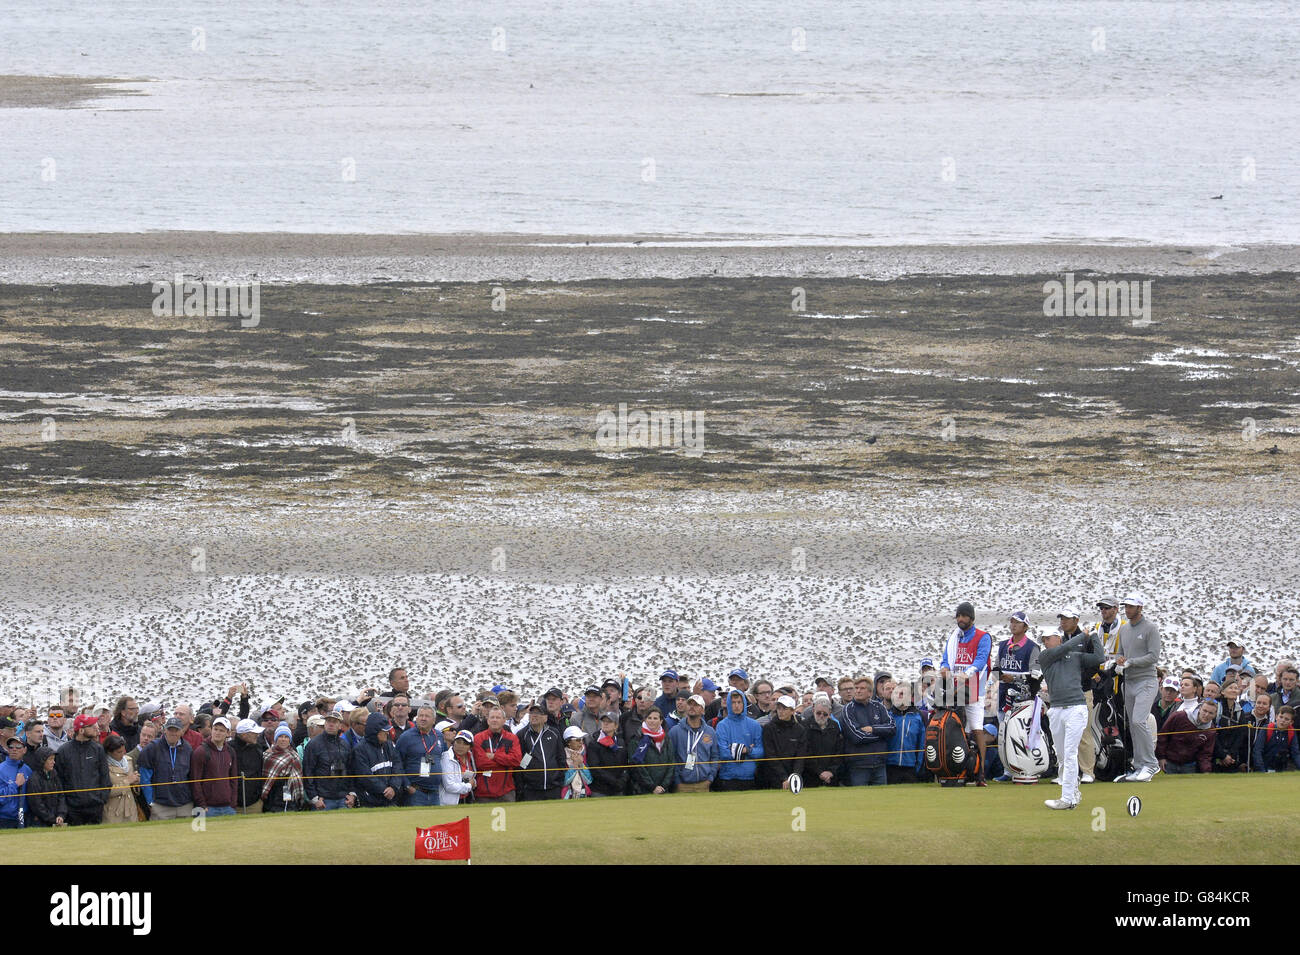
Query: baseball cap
(572, 732)
(466, 735)
(1021, 616)
(1171, 683)
(1234, 643)
(499, 688)
(668, 675)
(147, 709)
(1134, 599)
(1107, 602)
(592, 690)
(787, 701)
(537, 708)
(173, 723)
(612, 682)
(609, 715)
(682, 695)
(1068, 611)
(247, 726)
(315, 720)
(697, 699)
(926, 662)
(709, 685)
(222, 721)
(554, 691)
(443, 725)
(740, 673)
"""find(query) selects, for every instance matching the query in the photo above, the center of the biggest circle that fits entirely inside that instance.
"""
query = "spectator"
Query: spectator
(740, 742)
(34, 736)
(1167, 702)
(554, 700)
(496, 754)
(678, 714)
(54, 734)
(542, 762)
(607, 758)
(83, 768)
(906, 756)
(577, 777)
(783, 746)
(375, 765)
(652, 770)
(356, 734)
(1282, 667)
(1232, 733)
(121, 805)
(46, 802)
(666, 702)
(165, 768)
(325, 761)
(13, 784)
(867, 728)
(421, 748)
(764, 702)
(398, 711)
(248, 761)
(185, 714)
(588, 718)
(315, 726)
(1186, 746)
(630, 725)
(214, 786)
(823, 744)
(1236, 657)
(282, 790)
(1287, 693)
(695, 743)
(456, 776)
(1276, 748)
(125, 722)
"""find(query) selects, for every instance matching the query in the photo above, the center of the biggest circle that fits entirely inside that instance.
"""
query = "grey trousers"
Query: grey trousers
(1138, 700)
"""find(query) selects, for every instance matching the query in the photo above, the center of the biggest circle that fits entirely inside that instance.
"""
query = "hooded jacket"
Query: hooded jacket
(43, 809)
(452, 787)
(545, 770)
(83, 765)
(783, 751)
(13, 798)
(908, 745)
(607, 765)
(705, 748)
(497, 754)
(325, 761)
(1182, 741)
(376, 766)
(736, 731)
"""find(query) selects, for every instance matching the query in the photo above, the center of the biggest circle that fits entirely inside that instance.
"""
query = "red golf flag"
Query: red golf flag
(449, 841)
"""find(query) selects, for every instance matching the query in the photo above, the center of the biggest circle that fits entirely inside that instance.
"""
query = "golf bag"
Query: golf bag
(949, 754)
(1023, 745)
(1106, 727)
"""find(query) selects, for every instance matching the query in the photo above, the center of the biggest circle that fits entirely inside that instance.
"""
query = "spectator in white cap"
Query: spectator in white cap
(783, 746)
(456, 781)
(577, 777)
(1139, 641)
(1236, 658)
(1167, 702)
(248, 763)
(213, 773)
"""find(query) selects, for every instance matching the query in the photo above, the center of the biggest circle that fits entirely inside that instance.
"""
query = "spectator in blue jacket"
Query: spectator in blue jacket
(696, 745)
(421, 748)
(906, 755)
(868, 728)
(740, 742)
(164, 766)
(1276, 745)
(13, 784)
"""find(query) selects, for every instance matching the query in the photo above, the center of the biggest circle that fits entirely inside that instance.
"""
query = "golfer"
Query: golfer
(1064, 664)
(1139, 649)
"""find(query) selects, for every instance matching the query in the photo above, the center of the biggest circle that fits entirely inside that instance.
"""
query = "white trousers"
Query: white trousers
(1068, 724)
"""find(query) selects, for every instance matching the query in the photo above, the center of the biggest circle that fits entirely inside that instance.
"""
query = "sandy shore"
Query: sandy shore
(122, 259)
(62, 92)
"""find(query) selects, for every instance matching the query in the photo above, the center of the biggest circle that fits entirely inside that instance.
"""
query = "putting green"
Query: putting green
(1246, 815)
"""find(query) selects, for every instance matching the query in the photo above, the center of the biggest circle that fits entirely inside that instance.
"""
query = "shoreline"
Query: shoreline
(39, 258)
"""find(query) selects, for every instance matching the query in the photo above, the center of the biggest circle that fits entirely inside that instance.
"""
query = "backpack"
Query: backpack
(1290, 734)
(949, 755)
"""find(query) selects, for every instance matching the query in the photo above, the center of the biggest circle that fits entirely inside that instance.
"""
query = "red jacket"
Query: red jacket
(1181, 742)
(217, 766)
(496, 756)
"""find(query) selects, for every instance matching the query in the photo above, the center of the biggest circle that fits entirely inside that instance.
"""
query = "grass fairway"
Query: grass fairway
(1251, 816)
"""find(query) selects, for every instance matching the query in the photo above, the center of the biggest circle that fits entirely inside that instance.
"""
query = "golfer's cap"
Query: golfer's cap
(1107, 602)
(443, 725)
(1171, 683)
(697, 699)
(668, 675)
(1234, 643)
(173, 724)
(1068, 612)
(1021, 616)
(221, 721)
(573, 732)
(465, 735)
(1134, 599)
(787, 701)
(248, 726)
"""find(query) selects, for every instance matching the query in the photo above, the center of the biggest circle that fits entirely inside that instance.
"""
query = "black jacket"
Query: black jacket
(83, 765)
(376, 766)
(1232, 738)
(248, 763)
(327, 756)
(783, 749)
(43, 809)
(823, 750)
(546, 768)
(605, 780)
(129, 733)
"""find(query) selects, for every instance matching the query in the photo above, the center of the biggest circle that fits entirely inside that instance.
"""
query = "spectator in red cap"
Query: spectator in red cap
(82, 766)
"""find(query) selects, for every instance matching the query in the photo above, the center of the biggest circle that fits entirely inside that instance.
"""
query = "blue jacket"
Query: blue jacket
(413, 747)
(156, 767)
(1221, 670)
(742, 730)
(908, 746)
(13, 798)
(705, 750)
(875, 715)
(1276, 749)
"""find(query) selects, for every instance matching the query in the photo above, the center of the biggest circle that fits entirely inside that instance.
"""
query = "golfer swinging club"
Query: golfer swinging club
(1064, 665)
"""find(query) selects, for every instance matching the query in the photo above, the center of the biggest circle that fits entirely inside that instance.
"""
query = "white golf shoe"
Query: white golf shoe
(1059, 804)
(1086, 778)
